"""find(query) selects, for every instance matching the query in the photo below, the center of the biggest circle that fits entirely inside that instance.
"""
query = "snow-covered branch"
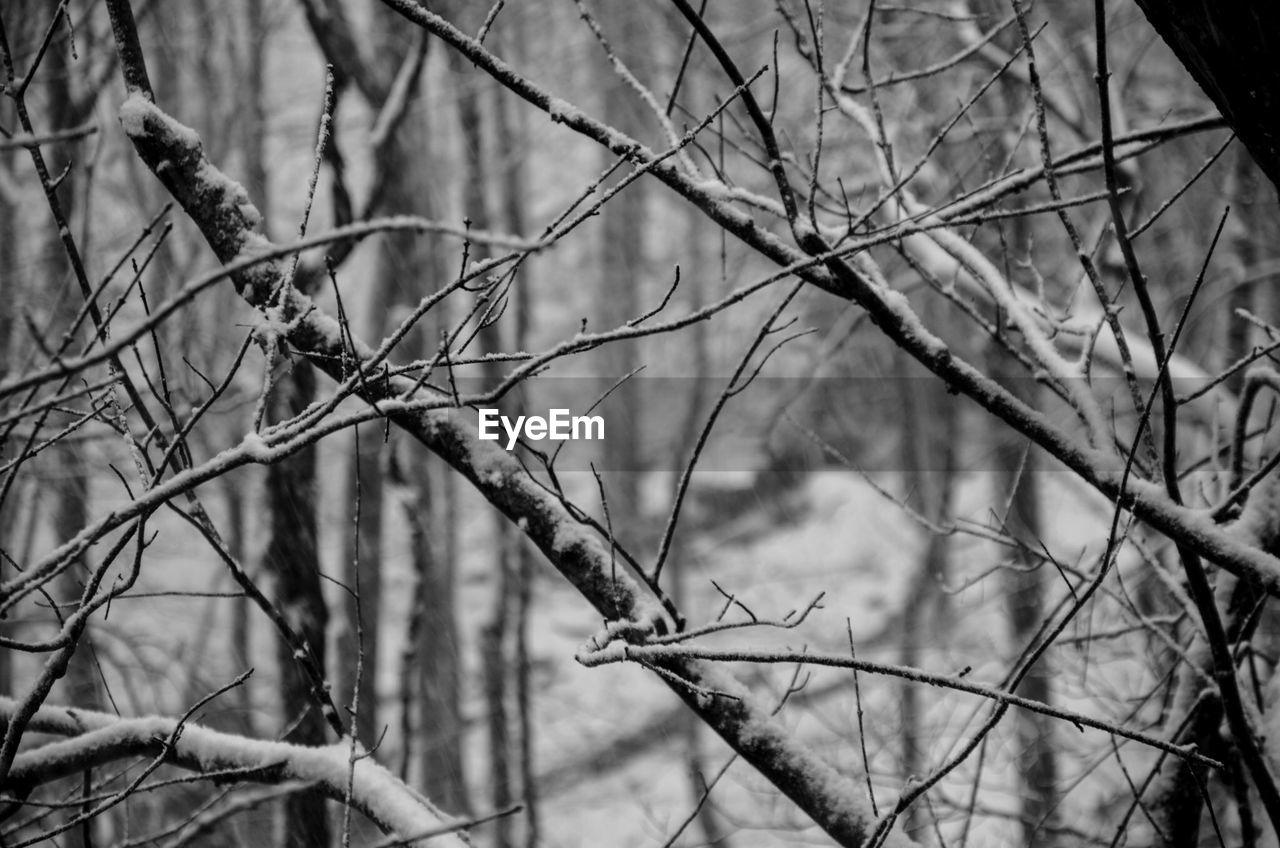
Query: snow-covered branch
(822, 265)
(229, 222)
(94, 739)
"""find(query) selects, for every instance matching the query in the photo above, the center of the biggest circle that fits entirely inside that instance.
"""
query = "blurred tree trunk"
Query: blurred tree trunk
(1025, 600)
(292, 557)
(622, 255)
(404, 261)
(439, 649)
(10, 293)
(930, 433)
(358, 640)
(362, 565)
(1016, 465)
(292, 561)
(496, 630)
(509, 130)
(697, 273)
(69, 466)
(251, 39)
(1024, 579)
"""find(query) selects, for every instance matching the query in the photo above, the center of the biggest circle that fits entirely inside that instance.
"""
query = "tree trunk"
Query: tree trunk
(292, 560)
(622, 256)
(70, 467)
(930, 432)
(496, 631)
(698, 272)
(404, 260)
(509, 129)
(1024, 586)
(10, 293)
(362, 566)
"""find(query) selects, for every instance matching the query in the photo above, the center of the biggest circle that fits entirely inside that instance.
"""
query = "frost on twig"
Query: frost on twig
(95, 738)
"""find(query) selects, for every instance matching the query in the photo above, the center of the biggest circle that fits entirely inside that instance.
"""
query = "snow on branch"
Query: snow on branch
(221, 209)
(94, 739)
(826, 267)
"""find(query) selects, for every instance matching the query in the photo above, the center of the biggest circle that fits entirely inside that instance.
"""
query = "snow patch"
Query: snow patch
(255, 447)
(898, 304)
(715, 189)
(562, 111)
(140, 118)
(133, 115)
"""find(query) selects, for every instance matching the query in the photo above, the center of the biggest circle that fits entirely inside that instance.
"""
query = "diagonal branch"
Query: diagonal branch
(94, 739)
(222, 211)
(823, 267)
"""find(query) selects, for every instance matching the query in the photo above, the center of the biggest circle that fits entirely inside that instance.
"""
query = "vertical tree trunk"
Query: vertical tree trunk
(697, 273)
(10, 238)
(405, 261)
(929, 436)
(252, 37)
(509, 129)
(622, 256)
(440, 725)
(70, 467)
(525, 564)
(292, 560)
(1024, 579)
(496, 630)
(1024, 587)
(362, 565)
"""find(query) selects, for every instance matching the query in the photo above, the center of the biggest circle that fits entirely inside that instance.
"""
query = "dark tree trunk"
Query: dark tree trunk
(1024, 583)
(292, 560)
